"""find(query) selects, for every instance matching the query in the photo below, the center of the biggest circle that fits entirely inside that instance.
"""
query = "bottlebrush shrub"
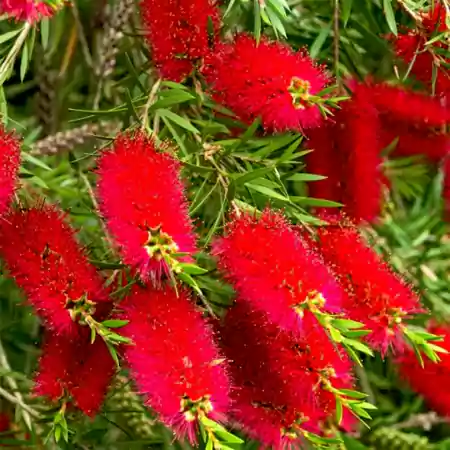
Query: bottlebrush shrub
(423, 377)
(143, 202)
(283, 385)
(374, 296)
(9, 167)
(75, 370)
(267, 80)
(47, 263)
(275, 271)
(179, 33)
(29, 10)
(173, 359)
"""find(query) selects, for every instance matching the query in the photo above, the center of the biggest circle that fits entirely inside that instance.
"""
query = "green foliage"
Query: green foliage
(226, 170)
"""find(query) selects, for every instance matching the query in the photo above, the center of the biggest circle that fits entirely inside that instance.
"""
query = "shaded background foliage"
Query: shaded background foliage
(86, 73)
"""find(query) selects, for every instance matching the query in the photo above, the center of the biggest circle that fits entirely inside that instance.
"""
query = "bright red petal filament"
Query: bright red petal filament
(267, 80)
(142, 199)
(431, 380)
(274, 270)
(281, 382)
(375, 295)
(76, 368)
(178, 33)
(174, 360)
(9, 167)
(41, 253)
(26, 10)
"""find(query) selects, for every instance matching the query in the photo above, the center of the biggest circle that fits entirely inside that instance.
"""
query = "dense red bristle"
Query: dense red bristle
(74, 367)
(375, 295)
(26, 10)
(427, 380)
(325, 160)
(358, 129)
(178, 34)
(9, 167)
(254, 80)
(403, 105)
(277, 377)
(140, 190)
(274, 271)
(174, 357)
(42, 254)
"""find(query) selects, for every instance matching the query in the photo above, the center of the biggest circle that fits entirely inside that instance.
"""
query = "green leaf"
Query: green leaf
(390, 16)
(115, 323)
(175, 118)
(9, 35)
(267, 192)
(305, 177)
(192, 269)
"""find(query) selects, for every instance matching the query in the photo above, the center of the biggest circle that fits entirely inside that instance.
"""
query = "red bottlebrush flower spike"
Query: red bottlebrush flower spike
(5, 422)
(41, 253)
(375, 295)
(266, 80)
(360, 152)
(77, 368)
(406, 106)
(280, 381)
(325, 160)
(26, 10)
(424, 380)
(275, 271)
(174, 360)
(9, 167)
(142, 199)
(412, 142)
(178, 33)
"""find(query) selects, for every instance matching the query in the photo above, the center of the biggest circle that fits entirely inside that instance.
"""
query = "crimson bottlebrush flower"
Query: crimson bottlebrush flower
(325, 160)
(267, 80)
(275, 271)
(26, 10)
(360, 152)
(173, 359)
(5, 422)
(280, 382)
(178, 33)
(9, 167)
(375, 295)
(425, 380)
(142, 199)
(77, 368)
(403, 105)
(412, 141)
(422, 59)
(41, 253)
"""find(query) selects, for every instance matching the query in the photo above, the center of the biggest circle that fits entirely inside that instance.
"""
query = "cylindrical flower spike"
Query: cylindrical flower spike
(179, 33)
(426, 380)
(27, 10)
(9, 167)
(398, 104)
(267, 80)
(274, 270)
(375, 296)
(75, 368)
(41, 253)
(142, 199)
(281, 383)
(174, 360)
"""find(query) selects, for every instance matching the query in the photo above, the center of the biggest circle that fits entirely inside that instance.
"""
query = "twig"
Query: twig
(336, 42)
(17, 398)
(27, 410)
(150, 101)
(425, 421)
(82, 35)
